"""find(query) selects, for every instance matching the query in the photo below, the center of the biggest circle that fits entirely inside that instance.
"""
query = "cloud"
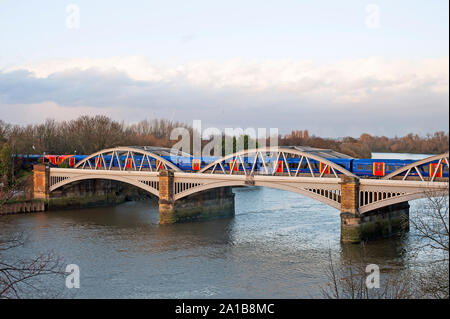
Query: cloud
(334, 98)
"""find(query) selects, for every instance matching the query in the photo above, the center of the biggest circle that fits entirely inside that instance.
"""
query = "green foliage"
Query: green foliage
(5, 162)
(244, 140)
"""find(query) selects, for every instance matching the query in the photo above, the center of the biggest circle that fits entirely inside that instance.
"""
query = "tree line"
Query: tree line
(366, 144)
(85, 135)
(88, 134)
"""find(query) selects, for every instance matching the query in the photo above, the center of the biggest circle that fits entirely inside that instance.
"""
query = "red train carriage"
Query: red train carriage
(234, 165)
(279, 167)
(379, 169)
(196, 164)
(322, 168)
(435, 169)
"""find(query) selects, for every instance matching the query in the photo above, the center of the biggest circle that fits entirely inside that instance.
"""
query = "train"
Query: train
(359, 167)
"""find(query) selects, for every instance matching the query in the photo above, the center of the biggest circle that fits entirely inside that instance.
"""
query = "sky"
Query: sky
(335, 68)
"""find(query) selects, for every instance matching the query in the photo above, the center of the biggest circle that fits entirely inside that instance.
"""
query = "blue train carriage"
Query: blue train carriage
(317, 167)
(235, 164)
(189, 163)
(377, 167)
(432, 168)
(383, 167)
(64, 160)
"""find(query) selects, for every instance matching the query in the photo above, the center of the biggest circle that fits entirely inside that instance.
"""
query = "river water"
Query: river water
(276, 246)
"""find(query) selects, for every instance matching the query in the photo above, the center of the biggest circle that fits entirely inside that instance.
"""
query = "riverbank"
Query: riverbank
(22, 207)
(79, 195)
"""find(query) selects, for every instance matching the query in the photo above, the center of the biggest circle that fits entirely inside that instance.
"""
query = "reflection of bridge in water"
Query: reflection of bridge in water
(360, 200)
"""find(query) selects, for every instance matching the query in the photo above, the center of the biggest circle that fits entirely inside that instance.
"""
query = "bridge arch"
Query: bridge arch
(62, 176)
(327, 191)
(130, 152)
(281, 154)
(402, 197)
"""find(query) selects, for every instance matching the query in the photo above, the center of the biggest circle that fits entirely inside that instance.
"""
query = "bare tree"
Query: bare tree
(427, 275)
(22, 277)
(430, 222)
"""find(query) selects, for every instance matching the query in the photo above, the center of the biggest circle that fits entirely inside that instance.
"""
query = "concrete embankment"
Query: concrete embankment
(20, 207)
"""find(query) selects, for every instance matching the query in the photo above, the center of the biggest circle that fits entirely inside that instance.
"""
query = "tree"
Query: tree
(20, 277)
(427, 276)
(5, 163)
(431, 224)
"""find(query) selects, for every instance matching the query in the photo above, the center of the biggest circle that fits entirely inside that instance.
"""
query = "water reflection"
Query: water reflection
(391, 252)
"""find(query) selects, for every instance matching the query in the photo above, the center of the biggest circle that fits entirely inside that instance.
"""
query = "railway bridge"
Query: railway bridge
(369, 207)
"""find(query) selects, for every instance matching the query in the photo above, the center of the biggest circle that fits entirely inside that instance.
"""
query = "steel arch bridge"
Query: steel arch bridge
(325, 187)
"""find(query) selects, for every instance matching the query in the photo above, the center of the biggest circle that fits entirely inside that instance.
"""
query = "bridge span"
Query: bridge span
(358, 199)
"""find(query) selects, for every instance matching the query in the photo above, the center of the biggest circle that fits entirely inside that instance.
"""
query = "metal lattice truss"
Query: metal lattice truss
(410, 171)
(126, 159)
(244, 162)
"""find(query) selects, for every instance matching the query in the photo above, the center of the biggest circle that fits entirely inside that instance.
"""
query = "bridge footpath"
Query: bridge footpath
(370, 208)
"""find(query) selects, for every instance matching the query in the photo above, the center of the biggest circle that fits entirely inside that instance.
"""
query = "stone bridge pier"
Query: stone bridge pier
(379, 223)
(214, 203)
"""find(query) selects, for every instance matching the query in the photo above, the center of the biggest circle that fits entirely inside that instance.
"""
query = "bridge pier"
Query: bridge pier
(379, 223)
(215, 203)
(41, 182)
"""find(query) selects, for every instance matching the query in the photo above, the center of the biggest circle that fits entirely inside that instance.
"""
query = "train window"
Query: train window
(425, 168)
(389, 167)
(445, 168)
(360, 167)
(368, 167)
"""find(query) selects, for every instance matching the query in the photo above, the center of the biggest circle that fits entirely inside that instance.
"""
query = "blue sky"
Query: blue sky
(287, 64)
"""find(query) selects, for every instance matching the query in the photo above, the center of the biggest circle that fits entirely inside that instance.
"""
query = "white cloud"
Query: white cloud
(306, 76)
(283, 93)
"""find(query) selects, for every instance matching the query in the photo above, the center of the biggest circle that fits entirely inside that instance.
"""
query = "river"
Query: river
(276, 246)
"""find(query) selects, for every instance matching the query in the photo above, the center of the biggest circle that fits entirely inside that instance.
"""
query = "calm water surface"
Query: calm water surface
(276, 246)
